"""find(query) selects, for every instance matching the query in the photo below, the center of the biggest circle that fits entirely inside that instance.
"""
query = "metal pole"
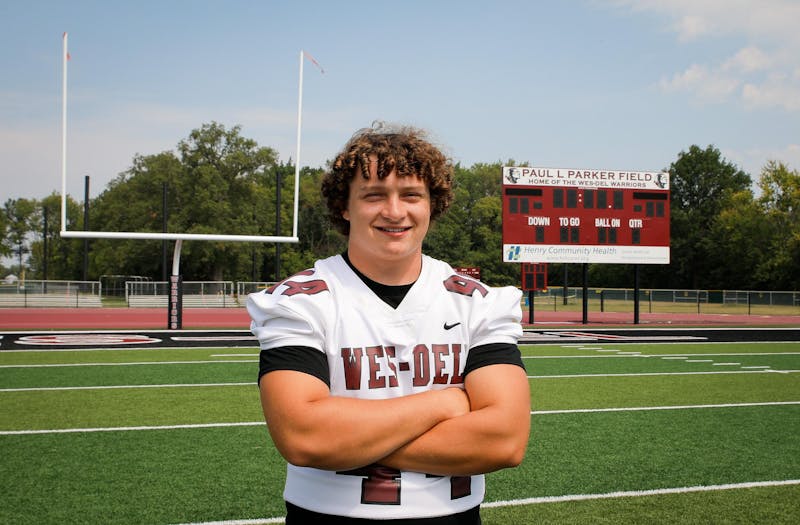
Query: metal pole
(531, 297)
(175, 299)
(64, 59)
(585, 293)
(164, 230)
(278, 224)
(44, 250)
(297, 157)
(635, 294)
(86, 227)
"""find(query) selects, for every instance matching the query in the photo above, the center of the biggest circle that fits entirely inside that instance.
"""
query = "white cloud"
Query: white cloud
(775, 91)
(753, 160)
(760, 74)
(748, 60)
(705, 84)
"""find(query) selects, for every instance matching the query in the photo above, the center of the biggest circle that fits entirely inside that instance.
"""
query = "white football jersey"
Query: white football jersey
(375, 351)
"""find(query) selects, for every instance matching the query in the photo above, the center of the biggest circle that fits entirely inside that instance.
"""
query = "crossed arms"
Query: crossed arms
(451, 432)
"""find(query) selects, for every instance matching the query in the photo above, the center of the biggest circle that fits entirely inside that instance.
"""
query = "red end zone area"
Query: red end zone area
(238, 319)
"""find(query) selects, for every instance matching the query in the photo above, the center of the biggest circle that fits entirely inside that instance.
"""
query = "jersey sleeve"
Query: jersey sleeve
(496, 317)
(297, 358)
(291, 313)
(493, 354)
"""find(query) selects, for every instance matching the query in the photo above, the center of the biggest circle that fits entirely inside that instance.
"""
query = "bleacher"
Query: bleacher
(189, 301)
(49, 300)
(51, 294)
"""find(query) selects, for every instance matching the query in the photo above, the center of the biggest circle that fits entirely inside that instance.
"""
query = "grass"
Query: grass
(191, 475)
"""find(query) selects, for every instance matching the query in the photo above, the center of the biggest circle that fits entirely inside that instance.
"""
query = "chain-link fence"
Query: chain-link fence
(738, 302)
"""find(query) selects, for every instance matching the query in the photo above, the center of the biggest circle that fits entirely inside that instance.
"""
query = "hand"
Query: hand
(455, 401)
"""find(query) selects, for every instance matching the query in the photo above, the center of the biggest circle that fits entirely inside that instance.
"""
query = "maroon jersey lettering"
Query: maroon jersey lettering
(304, 272)
(307, 287)
(457, 377)
(380, 486)
(390, 355)
(440, 377)
(460, 486)
(373, 353)
(460, 285)
(351, 359)
(422, 365)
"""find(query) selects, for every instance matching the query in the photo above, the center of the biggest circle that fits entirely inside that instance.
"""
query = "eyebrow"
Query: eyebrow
(373, 186)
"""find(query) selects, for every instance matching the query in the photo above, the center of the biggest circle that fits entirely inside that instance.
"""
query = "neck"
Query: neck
(394, 273)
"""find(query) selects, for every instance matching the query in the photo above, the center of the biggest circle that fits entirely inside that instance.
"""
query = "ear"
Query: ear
(346, 215)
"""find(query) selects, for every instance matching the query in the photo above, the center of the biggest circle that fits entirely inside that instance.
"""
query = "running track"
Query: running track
(237, 318)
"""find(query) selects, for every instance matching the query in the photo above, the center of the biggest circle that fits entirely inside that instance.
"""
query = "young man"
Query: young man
(389, 383)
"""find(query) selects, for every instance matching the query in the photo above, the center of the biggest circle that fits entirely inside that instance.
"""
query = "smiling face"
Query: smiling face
(389, 219)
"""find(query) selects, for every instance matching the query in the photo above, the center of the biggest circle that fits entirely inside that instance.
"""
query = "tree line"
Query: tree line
(723, 234)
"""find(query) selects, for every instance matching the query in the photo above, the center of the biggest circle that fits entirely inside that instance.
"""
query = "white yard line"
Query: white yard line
(127, 429)
(113, 387)
(674, 407)
(57, 365)
(639, 493)
(662, 356)
(258, 423)
(760, 371)
(560, 499)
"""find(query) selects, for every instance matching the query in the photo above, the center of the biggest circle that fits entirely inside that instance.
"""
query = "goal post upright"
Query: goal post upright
(175, 294)
(64, 58)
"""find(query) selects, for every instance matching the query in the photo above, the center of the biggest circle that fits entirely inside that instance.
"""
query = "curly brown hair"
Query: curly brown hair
(405, 149)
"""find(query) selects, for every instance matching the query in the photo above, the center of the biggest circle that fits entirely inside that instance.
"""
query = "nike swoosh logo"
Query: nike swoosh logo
(449, 326)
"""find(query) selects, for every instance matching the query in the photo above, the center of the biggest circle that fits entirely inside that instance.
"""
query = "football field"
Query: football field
(621, 433)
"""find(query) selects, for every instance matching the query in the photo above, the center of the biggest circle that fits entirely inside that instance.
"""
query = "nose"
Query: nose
(393, 209)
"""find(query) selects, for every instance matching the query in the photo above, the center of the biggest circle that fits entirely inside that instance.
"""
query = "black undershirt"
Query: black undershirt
(392, 295)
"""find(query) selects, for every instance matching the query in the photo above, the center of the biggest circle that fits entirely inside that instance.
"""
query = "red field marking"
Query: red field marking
(237, 318)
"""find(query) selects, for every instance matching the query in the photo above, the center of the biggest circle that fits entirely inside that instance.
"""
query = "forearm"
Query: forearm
(492, 436)
(338, 433)
(459, 447)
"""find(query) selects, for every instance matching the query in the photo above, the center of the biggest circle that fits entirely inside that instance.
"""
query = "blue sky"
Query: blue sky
(616, 84)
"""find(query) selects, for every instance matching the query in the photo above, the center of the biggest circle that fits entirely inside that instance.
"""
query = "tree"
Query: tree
(702, 185)
(21, 218)
(742, 237)
(65, 256)
(780, 203)
(5, 250)
(470, 233)
(214, 185)
(216, 194)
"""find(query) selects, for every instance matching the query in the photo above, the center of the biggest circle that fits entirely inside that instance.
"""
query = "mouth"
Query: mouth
(387, 229)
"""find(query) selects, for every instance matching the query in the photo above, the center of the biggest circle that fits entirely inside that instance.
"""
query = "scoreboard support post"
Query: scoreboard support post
(635, 294)
(531, 297)
(585, 298)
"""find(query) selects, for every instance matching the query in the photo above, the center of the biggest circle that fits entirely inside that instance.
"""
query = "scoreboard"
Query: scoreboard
(565, 215)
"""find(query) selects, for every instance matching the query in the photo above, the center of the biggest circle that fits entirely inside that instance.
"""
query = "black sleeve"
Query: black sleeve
(298, 358)
(493, 354)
